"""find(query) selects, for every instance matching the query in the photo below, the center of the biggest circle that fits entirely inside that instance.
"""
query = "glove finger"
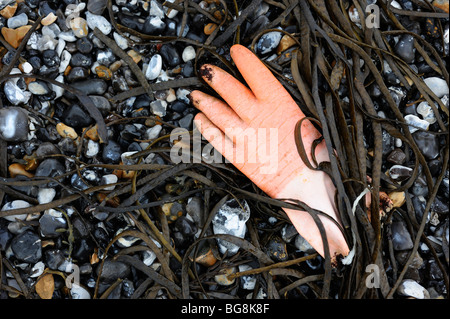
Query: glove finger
(236, 95)
(215, 137)
(218, 112)
(259, 78)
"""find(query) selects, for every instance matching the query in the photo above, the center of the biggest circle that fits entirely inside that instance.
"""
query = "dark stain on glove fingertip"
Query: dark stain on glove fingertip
(206, 72)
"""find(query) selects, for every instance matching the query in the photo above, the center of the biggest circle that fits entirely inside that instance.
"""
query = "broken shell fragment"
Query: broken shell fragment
(397, 198)
(18, 169)
(223, 279)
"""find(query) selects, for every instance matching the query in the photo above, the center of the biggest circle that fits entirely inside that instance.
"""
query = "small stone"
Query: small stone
(66, 57)
(46, 195)
(411, 288)
(135, 56)
(170, 13)
(77, 73)
(286, 42)
(38, 88)
(50, 167)
(120, 41)
(130, 21)
(84, 45)
(401, 239)
(169, 54)
(91, 87)
(441, 4)
(247, 282)
(268, 42)
(79, 183)
(98, 21)
(153, 25)
(105, 57)
(156, 9)
(205, 255)
(15, 204)
(178, 106)
(158, 107)
(405, 48)
(185, 30)
(9, 10)
(109, 179)
(92, 149)
(97, 6)
(427, 143)
(51, 222)
(103, 72)
(276, 249)
(66, 131)
(153, 132)
(125, 241)
(260, 10)
(17, 21)
(426, 111)
(230, 219)
(15, 36)
(13, 92)
(51, 58)
(68, 36)
(13, 124)
(437, 85)
(54, 258)
(26, 67)
(115, 66)
(148, 257)
(209, 28)
(154, 67)
(79, 27)
(101, 103)
(80, 59)
(130, 132)
(440, 206)
(415, 123)
(186, 121)
(27, 247)
(185, 226)
(172, 211)
(183, 95)
(49, 19)
(112, 270)
(78, 292)
(288, 232)
(45, 8)
(111, 153)
(302, 245)
(188, 53)
(400, 173)
(37, 269)
(397, 156)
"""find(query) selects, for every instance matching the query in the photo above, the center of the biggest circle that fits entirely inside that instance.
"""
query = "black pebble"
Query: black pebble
(84, 45)
(75, 116)
(111, 153)
(77, 73)
(80, 59)
(27, 247)
(170, 55)
(51, 58)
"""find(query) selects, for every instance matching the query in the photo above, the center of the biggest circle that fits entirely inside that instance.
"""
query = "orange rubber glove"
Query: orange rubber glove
(267, 105)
